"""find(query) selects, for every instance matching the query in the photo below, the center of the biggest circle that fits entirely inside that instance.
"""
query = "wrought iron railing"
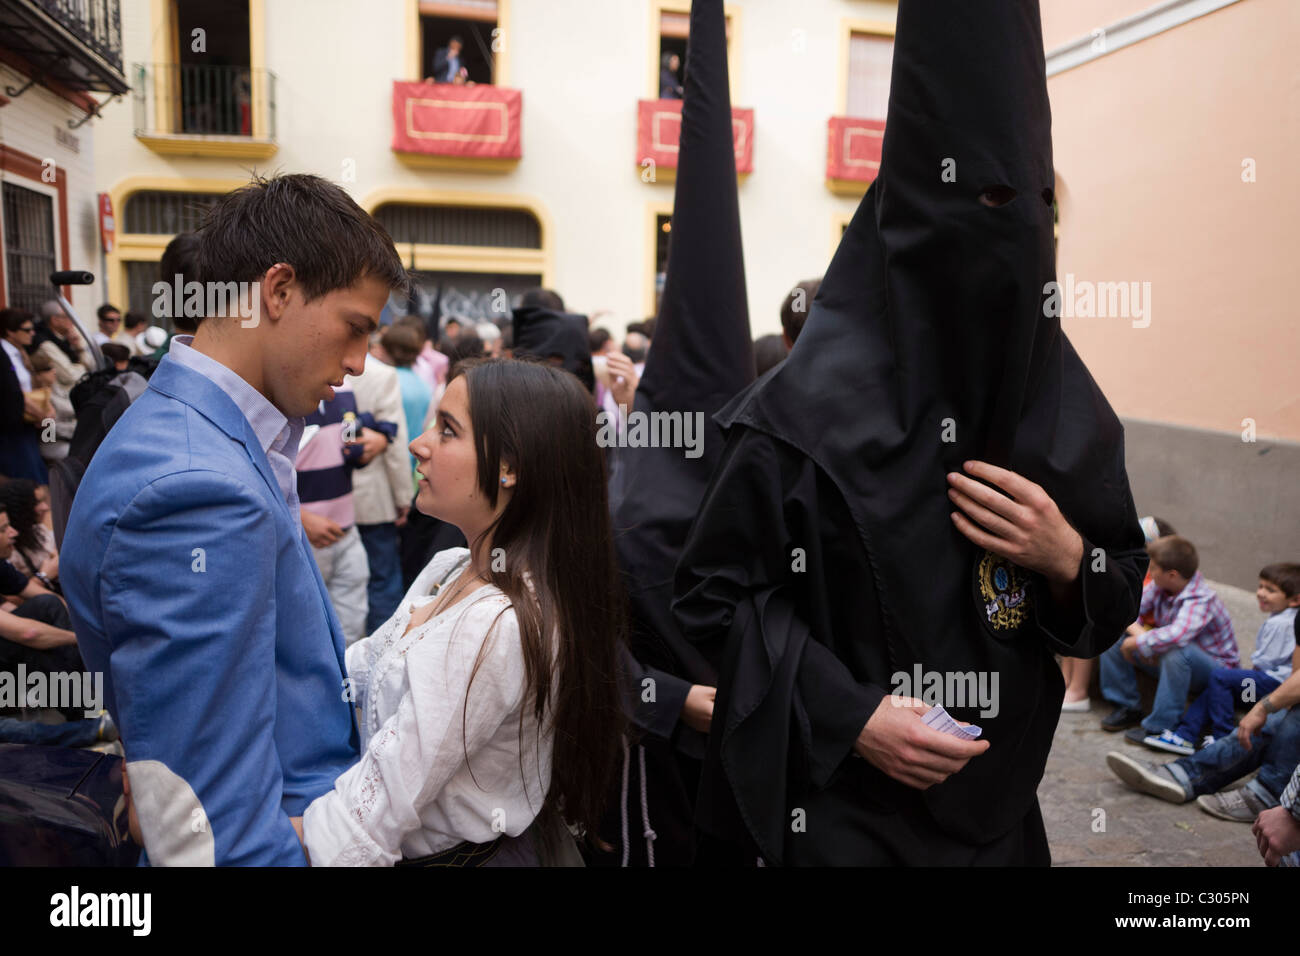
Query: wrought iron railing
(203, 100)
(96, 23)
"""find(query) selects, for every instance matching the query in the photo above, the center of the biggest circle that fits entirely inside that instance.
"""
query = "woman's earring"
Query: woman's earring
(503, 481)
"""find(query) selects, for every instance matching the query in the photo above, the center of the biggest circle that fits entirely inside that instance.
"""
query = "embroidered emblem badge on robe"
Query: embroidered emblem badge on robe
(1002, 591)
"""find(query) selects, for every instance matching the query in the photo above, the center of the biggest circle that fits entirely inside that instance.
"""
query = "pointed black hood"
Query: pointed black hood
(928, 346)
(701, 355)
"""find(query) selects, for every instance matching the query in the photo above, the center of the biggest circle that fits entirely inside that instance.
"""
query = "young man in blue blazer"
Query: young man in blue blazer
(188, 576)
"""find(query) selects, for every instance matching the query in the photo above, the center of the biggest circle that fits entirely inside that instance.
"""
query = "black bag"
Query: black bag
(99, 400)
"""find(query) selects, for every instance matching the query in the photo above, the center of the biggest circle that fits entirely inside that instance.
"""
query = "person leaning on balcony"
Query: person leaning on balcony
(670, 88)
(447, 64)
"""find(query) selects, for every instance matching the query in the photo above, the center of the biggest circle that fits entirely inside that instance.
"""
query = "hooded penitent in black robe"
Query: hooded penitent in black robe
(701, 357)
(824, 561)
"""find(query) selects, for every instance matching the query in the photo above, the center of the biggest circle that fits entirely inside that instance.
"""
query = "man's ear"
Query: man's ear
(276, 288)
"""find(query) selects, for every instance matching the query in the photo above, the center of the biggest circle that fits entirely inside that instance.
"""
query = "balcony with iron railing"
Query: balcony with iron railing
(74, 43)
(185, 109)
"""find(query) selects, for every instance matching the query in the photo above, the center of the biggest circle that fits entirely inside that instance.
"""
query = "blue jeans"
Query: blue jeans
(1275, 750)
(385, 589)
(73, 733)
(1217, 702)
(1182, 671)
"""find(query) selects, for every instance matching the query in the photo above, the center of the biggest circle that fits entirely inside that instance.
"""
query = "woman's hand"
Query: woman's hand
(1023, 525)
(697, 712)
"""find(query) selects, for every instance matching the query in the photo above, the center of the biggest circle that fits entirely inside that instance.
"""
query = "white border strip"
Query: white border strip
(1115, 36)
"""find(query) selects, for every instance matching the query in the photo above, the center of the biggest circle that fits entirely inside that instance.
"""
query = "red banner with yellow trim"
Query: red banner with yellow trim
(443, 119)
(659, 130)
(853, 148)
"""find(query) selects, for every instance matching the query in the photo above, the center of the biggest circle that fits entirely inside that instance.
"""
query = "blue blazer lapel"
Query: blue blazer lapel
(205, 397)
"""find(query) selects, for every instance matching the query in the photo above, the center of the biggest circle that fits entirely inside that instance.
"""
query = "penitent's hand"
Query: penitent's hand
(1022, 525)
(697, 711)
(898, 743)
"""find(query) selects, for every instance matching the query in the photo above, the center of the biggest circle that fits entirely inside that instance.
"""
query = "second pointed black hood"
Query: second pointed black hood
(701, 356)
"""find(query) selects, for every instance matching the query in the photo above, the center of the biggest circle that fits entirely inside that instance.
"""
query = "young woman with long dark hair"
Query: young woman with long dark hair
(489, 702)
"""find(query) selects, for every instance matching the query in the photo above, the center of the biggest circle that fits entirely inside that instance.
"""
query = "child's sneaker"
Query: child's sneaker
(1170, 741)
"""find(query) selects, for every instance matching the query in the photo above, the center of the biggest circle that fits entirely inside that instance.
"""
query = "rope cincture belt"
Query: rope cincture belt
(649, 833)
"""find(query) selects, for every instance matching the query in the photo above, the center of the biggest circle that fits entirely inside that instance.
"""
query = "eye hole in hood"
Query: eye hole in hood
(997, 195)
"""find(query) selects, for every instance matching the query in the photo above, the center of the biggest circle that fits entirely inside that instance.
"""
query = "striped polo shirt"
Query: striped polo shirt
(324, 476)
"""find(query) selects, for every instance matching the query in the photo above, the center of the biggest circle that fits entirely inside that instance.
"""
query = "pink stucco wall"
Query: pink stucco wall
(1149, 145)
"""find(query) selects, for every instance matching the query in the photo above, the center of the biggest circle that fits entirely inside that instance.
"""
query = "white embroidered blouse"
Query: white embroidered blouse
(413, 793)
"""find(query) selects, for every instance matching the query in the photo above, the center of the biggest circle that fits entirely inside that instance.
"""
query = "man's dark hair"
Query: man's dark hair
(541, 299)
(304, 221)
(456, 39)
(11, 320)
(134, 320)
(769, 350)
(106, 308)
(402, 343)
(1174, 553)
(468, 346)
(181, 258)
(792, 318)
(115, 352)
(638, 327)
(597, 338)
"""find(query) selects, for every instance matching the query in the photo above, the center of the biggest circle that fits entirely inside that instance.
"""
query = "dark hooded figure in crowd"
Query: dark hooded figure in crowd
(701, 358)
(845, 548)
(542, 329)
